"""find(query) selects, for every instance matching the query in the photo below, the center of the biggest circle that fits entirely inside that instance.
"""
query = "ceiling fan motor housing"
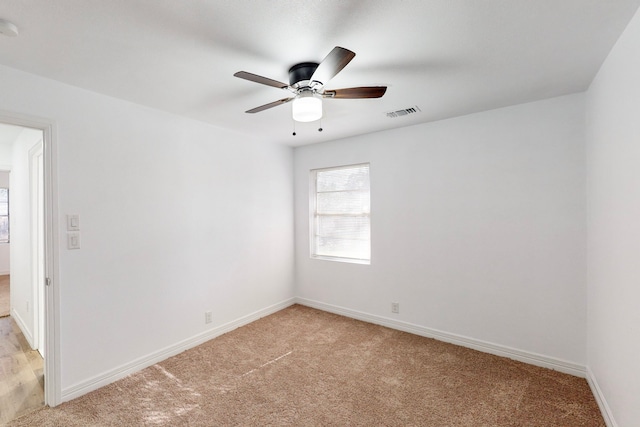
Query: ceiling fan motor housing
(302, 72)
(306, 83)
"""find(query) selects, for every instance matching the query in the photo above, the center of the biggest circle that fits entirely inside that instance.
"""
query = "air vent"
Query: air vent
(405, 112)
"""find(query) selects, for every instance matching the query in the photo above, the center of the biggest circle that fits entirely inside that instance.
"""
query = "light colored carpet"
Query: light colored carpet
(301, 366)
(4, 296)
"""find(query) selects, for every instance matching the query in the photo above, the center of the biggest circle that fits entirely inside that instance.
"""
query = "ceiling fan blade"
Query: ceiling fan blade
(262, 80)
(356, 92)
(270, 105)
(332, 64)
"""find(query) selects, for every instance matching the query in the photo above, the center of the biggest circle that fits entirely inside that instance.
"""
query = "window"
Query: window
(340, 214)
(4, 215)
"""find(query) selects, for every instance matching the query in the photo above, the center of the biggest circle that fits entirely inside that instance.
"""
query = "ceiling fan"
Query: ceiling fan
(307, 84)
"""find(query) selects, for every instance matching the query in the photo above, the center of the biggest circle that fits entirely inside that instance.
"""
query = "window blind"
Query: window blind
(4, 215)
(341, 217)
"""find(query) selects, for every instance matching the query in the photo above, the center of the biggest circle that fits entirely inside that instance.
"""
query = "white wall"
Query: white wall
(4, 179)
(6, 155)
(177, 218)
(4, 247)
(613, 182)
(478, 227)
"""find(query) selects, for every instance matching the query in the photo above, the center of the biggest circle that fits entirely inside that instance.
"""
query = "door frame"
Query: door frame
(52, 385)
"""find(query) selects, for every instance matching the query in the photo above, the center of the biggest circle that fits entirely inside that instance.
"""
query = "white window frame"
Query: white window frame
(313, 214)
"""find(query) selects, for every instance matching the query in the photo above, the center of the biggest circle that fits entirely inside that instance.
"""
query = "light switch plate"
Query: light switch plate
(73, 240)
(73, 222)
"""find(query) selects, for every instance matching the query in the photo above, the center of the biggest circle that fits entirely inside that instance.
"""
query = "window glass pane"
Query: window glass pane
(344, 227)
(357, 249)
(4, 215)
(348, 178)
(348, 202)
(341, 226)
(4, 228)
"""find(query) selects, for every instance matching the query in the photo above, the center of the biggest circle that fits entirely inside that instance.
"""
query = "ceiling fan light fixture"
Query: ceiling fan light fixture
(307, 107)
(306, 83)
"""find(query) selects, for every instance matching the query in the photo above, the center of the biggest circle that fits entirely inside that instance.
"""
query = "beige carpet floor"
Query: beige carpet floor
(4, 296)
(305, 367)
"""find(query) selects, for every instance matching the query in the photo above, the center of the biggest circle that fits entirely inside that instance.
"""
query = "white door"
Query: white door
(36, 188)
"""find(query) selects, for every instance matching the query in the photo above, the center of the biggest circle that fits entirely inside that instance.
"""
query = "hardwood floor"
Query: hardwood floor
(4, 295)
(21, 373)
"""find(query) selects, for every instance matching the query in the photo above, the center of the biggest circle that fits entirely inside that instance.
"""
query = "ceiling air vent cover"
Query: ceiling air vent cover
(404, 112)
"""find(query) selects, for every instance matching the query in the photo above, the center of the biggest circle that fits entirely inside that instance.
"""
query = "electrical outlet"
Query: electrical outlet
(208, 317)
(395, 307)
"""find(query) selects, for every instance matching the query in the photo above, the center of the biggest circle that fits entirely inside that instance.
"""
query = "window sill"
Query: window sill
(339, 259)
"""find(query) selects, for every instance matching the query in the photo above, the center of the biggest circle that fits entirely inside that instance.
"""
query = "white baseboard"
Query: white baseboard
(602, 402)
(23, 327)
(4, 273)
(484, 346)
(122, 371)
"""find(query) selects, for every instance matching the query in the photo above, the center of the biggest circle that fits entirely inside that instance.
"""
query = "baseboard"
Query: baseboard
(23, 327)
(122, 371)
(484, 346)
(4, 273)
(602, 402)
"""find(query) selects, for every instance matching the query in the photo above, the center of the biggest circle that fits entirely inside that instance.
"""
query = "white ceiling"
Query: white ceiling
(448, 57)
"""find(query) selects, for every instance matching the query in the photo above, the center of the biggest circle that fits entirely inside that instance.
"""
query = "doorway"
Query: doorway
(27, 157)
